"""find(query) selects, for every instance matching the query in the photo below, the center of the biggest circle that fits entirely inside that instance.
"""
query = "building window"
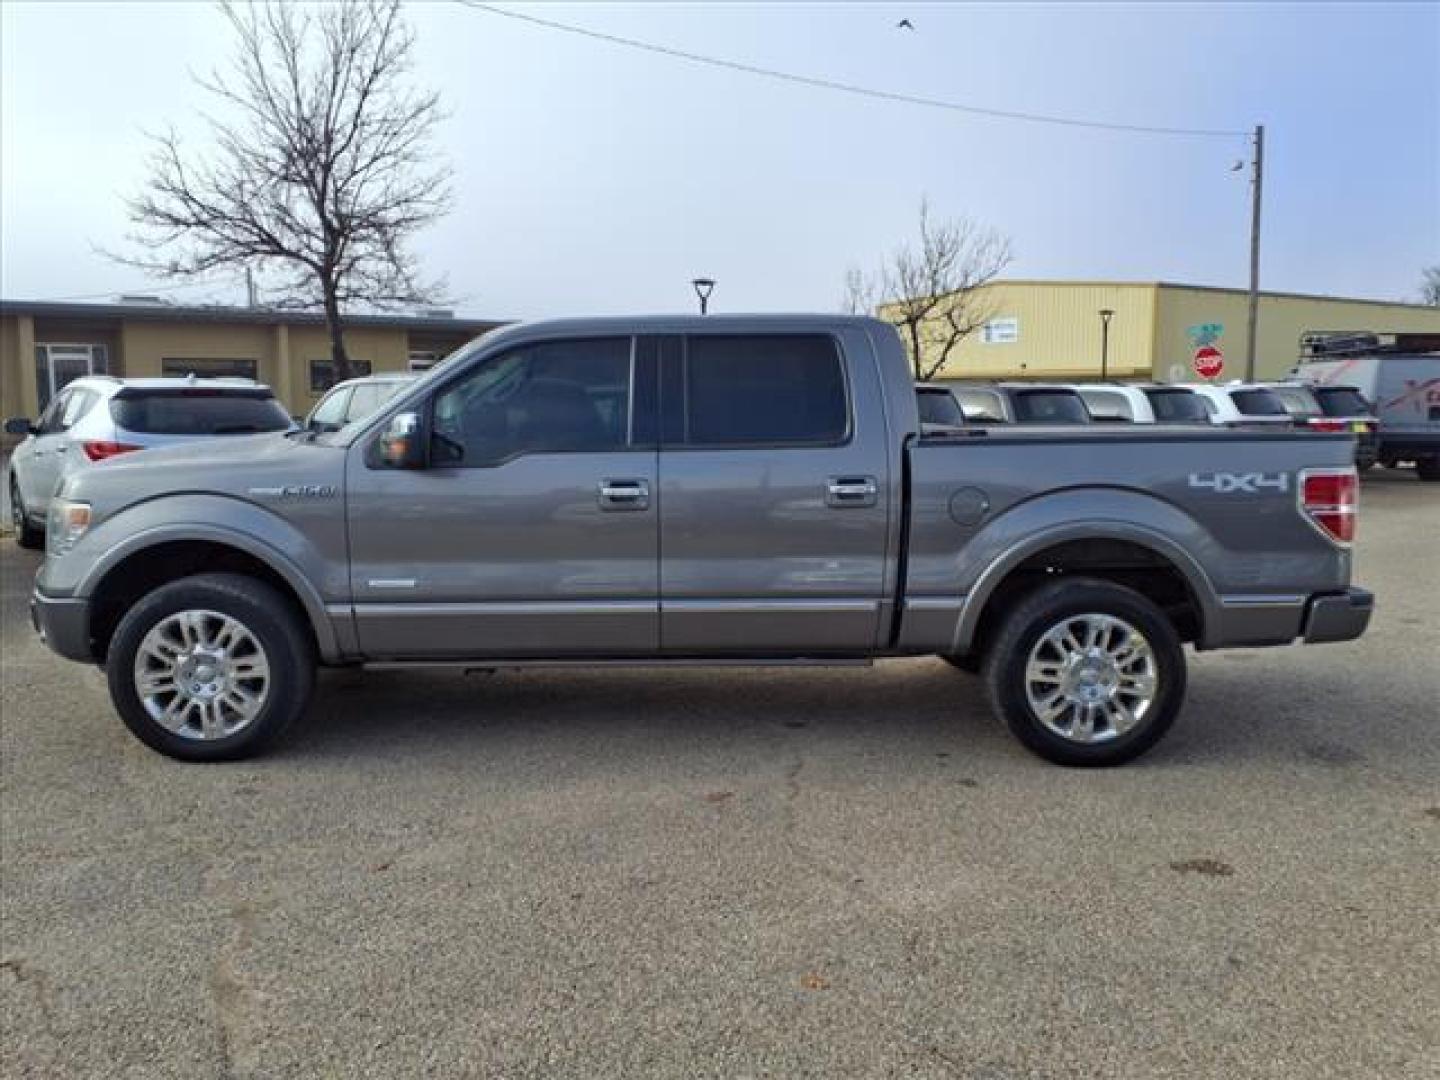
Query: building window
(57, 365)
(322, 373)
(209, 367)
(1004, 331)
(422, 361)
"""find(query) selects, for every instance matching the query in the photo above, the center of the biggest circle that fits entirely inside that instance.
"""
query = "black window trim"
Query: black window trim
(683, 361)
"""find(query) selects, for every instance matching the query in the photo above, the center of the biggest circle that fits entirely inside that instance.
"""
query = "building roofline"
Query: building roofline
(1264, 293)
(223, 314)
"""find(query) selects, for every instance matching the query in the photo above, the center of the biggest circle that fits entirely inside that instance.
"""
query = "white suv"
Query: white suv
(99, 416)
(1243, 405)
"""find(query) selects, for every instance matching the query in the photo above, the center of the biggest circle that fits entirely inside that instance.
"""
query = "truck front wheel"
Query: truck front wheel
(210, 668)
(1086, 672)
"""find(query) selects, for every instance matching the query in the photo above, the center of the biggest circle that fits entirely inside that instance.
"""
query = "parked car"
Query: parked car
(763, 493)
(1332, 408)
(1404, 392)
(355, 399)
(938, 407)
(99, 416)
(1242, 405)
(1142, 403)
(1020, 403)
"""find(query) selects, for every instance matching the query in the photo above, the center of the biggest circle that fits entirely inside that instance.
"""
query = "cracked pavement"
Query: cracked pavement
(766, 872)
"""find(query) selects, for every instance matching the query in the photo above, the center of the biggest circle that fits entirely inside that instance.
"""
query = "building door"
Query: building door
(56, 366)
(533, 529)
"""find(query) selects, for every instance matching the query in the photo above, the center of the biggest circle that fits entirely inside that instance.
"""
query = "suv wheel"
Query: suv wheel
(210, 668)
(1086, 672)
(26, 535)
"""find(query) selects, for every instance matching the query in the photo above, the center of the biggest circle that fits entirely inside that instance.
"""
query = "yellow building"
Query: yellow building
(45, 345)
(1053, 329)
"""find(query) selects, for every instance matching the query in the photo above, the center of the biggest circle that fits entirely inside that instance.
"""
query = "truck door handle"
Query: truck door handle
(624, 495)
(851, 491)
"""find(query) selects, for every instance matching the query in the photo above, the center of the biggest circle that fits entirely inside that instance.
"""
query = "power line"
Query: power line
(847, 88)
(145, 289)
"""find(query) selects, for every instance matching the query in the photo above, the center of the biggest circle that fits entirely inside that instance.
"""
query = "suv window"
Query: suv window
(1257, 403)
(370, 396)
(546, 398)
(330, 413)
(764, 390)
(77, 405)
(939, 407)
(1341, 401)
(1298, 401)
(981, 406)
(1109, 405)
(198, 411)
(1049, 407)
(1179, 406)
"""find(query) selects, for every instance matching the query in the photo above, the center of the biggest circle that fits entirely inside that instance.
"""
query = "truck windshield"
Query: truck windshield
(1177, 407)
(1341, 401)
(198, 412)
(1050, 407)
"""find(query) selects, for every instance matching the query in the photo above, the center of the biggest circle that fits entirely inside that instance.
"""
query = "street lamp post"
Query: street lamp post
(704, 286)
(1106, 314)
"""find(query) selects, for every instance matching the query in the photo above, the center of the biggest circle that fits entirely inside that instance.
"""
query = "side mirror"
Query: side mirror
(19, 425)
(400, 446)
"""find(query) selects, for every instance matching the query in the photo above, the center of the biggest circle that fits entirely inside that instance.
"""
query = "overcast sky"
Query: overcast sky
(594, 178)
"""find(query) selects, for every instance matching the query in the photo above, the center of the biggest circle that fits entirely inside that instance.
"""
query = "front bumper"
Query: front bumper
(1338, 616)
(63, 623)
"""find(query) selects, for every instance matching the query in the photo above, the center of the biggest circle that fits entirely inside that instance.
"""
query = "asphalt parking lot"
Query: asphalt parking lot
(810, 872)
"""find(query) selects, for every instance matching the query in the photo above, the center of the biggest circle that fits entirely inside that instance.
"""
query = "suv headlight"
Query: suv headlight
(66, 524)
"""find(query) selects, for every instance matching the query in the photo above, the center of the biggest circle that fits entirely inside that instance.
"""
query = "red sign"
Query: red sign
(1209, 362)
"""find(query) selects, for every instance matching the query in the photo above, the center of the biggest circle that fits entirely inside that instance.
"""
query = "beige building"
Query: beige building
(45, 345)
(1052, 329)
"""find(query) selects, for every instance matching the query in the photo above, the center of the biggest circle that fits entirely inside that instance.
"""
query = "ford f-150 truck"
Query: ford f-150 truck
(716, 489)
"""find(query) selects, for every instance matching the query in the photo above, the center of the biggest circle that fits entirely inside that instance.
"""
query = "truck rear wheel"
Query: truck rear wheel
(210, 668)
(1086, 672)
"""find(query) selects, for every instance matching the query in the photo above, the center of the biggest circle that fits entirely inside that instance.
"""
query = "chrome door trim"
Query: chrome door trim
(1259, 600)
(819, 606)
(500, 608)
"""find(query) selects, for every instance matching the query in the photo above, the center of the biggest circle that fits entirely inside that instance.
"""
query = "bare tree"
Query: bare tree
(933, 292)
(1430, 286)
(319, 175)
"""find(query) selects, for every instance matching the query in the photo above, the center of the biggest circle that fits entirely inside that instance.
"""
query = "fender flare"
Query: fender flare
(310, 599)
(999, 568)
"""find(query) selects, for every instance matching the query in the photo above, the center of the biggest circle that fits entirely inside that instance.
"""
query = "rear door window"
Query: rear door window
(1258, 403)
(764, 390)
(1178, 407)
(1049, 407)
(198, 412)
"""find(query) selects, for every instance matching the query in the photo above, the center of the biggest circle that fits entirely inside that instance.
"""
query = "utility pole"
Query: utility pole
(1106, 314)
(1257, 181)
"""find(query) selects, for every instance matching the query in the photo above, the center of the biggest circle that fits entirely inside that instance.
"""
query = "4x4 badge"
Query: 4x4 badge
(1228, 483)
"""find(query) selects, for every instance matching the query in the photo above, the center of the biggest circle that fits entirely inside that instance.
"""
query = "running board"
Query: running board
(487, 666)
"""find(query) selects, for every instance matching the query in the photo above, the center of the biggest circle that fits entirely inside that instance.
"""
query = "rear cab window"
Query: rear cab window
(198, 411)
(764, 390)
(1110, 406)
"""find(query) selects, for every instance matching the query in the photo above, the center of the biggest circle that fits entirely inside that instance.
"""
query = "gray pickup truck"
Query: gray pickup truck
(680, 490)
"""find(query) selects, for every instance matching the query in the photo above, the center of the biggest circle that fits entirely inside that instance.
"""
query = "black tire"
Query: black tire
(270, 619)
(26, 535)
(970, 663)
(1039, 611)
(1428, 469)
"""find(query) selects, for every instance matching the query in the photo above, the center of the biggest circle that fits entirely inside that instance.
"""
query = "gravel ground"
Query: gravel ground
(811, 872)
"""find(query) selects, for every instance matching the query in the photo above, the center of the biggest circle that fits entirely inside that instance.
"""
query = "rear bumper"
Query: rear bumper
(1338, 616)
(63, 623)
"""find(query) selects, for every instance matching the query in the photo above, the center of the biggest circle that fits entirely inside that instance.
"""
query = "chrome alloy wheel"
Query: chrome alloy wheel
(201, 674)
(1091, 678)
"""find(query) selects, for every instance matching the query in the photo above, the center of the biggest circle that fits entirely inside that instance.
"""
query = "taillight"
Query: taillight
(1330, 498)
(99, 449)
(1329, 425)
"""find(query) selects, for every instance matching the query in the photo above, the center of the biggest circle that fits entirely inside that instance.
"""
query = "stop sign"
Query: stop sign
(1209, 362)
